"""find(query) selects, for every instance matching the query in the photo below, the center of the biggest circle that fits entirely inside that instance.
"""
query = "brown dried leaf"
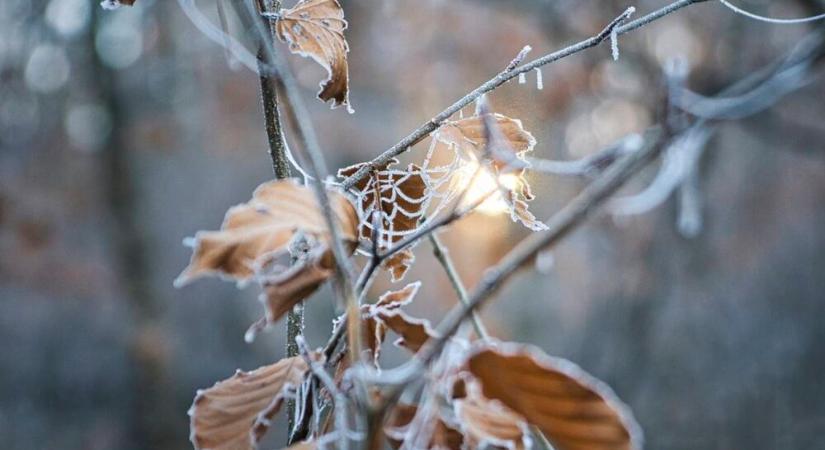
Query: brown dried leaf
(288, 288)
(234, 413)
(395, 299)
(253, 232)
(485, 423)
(315, 29)
(399, 419)
(398, 264)
(520, 213)
(402, 198)
(573, 409)
(468, 139)
(413, 332)
(468, 135)
(374, 330)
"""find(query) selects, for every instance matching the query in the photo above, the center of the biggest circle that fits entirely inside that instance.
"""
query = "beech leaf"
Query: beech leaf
(413, 332)
(395, 299)
(235, 413)
(573, 409)
(486, 423)
(398, 422)
(315, 29)
(373, 330)
(467, 138)
(253, 233)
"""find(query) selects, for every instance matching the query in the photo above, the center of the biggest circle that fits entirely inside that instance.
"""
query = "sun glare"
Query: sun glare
(483, 184)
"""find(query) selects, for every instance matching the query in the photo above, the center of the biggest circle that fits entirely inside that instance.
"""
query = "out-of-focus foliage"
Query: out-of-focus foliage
(123, 132)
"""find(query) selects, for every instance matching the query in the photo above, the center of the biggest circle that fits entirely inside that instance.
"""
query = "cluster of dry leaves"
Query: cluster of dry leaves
(481, 394)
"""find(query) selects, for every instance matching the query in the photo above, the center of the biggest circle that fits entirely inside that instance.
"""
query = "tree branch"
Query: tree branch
(559, 226)
(506, 75)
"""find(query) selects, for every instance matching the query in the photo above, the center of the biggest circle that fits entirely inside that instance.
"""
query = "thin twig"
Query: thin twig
(301, 120)
(442, 255)
(506, 75)
(559, 226)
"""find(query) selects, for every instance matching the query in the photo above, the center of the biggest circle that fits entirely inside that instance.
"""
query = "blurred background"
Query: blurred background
(123, 132)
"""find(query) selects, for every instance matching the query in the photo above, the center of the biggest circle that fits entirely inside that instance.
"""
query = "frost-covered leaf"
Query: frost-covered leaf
(315, 29)
(397, 427)
(235, 413)
(413, 332)
(469, 135)
(402, 196)
(572, 409)
(253, 233)
(395, 299)
(280, 235)
(373, 329)
(485, 423)
(284, 290)
(510, 143)
(520, 213)
(398, 264)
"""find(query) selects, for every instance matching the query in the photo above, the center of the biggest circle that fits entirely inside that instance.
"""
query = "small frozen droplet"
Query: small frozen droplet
(522, 78)
(297, 29)
(539, 80)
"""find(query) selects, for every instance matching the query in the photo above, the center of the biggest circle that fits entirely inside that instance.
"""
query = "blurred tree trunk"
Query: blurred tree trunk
(153, 415)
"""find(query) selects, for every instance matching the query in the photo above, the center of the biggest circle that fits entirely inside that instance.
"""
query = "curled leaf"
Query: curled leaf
(254, 233)
(485, 423)
(572, 409)
(508, 146)
(397, 427)
(413, 332)
(469, 136)
(234, 413)
(402, 196)
(315, 29)
(286, 289)
(373, 329)
(395, 299)
(398, 264)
